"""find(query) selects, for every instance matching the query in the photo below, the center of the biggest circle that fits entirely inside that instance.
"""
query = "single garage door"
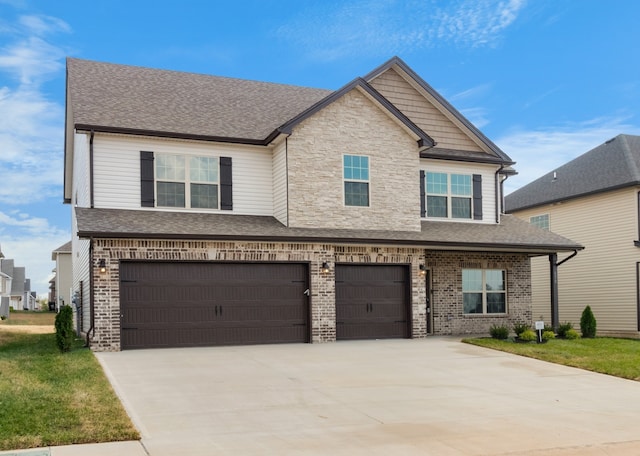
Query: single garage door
(372, 302)
(165, 304)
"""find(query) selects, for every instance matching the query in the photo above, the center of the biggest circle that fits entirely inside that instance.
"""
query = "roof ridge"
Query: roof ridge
(628, 155)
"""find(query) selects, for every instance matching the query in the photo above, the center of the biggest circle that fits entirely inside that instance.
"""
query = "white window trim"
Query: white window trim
(449, 195)
(538, 217)
(187, 181)
(484, 293)
(367, 181)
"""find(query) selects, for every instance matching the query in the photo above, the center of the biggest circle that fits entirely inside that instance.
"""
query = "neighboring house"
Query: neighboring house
(17, 286)
(594, 199)
(62, 281)
(213, 211)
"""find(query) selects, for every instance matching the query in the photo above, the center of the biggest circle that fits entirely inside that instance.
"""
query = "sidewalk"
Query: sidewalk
(133, 448)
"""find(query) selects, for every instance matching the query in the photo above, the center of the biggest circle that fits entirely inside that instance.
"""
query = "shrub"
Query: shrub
(64, 328)
(588, 323)
(519, 328)
(528, 335)
(571, 334)
(548, 335)
(563, 328)
(499, 332)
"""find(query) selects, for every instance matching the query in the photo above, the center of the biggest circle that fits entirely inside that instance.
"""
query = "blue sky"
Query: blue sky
(547, 80)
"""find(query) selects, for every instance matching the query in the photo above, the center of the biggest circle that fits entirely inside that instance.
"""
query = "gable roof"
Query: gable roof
(610, 166)
(64, 248)
(511, 235)
(446, 108)
(131, 99)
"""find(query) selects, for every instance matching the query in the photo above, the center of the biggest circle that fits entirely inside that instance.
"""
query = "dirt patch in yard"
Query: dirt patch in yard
(28, 329)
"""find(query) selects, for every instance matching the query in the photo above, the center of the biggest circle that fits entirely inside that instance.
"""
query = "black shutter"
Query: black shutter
(477, 197)
(423, 196)
(147, 193)
(226, 184)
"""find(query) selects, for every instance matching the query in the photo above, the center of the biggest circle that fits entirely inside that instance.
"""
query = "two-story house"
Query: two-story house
(594, 199)
(61, 283)
(211, 210)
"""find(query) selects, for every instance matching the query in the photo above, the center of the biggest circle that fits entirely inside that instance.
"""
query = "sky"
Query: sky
(546, 80)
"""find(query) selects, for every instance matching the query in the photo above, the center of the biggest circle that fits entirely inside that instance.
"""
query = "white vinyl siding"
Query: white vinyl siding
(488, 185)
(117, 171)
(280, 183)
(603, 275)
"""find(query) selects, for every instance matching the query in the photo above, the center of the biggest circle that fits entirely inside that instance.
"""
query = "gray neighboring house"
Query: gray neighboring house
(217, 211)
(17, 286)
(595, 200)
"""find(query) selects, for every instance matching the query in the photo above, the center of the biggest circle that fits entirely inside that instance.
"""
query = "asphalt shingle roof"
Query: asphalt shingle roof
(512, 234)
(614, 164)
(162, 101)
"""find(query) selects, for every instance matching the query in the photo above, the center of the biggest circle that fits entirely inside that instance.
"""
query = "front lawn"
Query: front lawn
(27, 318)
(50, 398)
(619, 357)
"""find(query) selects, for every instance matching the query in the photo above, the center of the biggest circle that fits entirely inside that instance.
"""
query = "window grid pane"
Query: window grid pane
(437, 183)
(437, 206)
(541, 221)
(356, 194)
(203, 169)
(170, 167)
(461, 208)
(170, 194)
(356, 167)
(460, 185)
(204, 196)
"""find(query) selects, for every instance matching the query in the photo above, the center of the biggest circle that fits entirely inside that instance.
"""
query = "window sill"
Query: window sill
(493, 315)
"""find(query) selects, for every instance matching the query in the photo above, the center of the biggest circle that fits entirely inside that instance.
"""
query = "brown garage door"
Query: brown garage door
(372, 302)
(198, 304)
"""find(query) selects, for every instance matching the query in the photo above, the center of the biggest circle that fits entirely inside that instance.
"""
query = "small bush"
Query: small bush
(499, 332)
(588, 323)
(548, 335)
(563, 328)
(3, 317)
(519, 328)
(64, 328)
(571, 334)
(527, 335)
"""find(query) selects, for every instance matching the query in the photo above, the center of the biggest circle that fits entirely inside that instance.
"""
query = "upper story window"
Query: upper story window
(541, 221)
(484, 291)
(448, 195)
(187, 181)
(356, 180)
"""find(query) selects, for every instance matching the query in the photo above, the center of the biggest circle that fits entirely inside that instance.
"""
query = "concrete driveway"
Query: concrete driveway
(435, 396)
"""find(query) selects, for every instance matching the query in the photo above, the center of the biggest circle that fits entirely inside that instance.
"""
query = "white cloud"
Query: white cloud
(382, 27)
(542, 150)
(29, 241)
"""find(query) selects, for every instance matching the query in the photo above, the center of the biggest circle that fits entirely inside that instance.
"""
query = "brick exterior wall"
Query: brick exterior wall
(353, 125)
(448, 316)
(446, 271)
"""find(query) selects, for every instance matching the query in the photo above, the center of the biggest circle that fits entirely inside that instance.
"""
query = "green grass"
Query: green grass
(619, 357)
(22, 317)
(50, 398)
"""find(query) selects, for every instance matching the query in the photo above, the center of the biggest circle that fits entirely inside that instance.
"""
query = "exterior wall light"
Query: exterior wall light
(423, 269)
(102, 264)
(325, 267)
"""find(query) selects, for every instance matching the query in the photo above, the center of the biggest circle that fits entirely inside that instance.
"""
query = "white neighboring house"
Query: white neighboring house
(63, 275)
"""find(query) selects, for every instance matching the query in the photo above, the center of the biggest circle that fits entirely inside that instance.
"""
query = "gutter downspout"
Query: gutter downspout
(499, 194)
(91, 309)
(553, 276)
(91, 170)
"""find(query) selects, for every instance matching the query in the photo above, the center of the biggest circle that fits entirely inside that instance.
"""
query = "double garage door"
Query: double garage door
(165, 304)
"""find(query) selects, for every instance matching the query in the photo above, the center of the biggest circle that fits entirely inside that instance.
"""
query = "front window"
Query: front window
(186, 181)
(448, 195)
(484, 291)
(541, 221)
(356, 180)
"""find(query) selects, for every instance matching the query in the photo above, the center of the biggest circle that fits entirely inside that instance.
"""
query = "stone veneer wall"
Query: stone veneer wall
(448, 316)
(323, 317)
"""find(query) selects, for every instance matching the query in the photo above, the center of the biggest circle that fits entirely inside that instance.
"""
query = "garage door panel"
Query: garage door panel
(191, 304)
(372, 301)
